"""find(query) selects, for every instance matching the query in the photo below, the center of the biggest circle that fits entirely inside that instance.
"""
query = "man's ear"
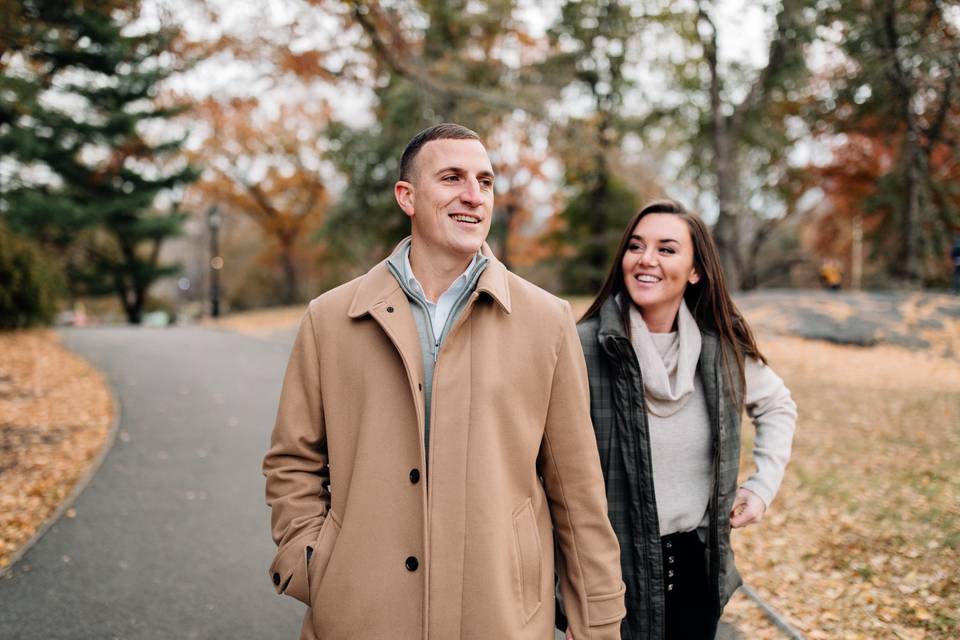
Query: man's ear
(403, 192)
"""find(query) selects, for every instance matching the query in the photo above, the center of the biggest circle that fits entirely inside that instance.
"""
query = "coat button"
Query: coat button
(389, 309)
(276, 579)
(415, 476)
(412, 564)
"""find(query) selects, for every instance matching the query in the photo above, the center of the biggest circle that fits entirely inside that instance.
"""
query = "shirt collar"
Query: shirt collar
(411, 279)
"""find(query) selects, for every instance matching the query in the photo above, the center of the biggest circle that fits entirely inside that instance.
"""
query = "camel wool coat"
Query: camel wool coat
(381, 543)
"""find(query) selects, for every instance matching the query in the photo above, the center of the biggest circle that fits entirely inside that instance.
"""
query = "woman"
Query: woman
(672, 364)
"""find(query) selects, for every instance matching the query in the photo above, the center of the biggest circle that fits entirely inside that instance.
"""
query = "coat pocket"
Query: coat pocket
(528, 553)
(322, 550)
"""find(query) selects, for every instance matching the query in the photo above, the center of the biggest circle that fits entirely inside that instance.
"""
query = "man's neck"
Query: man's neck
(436, 273)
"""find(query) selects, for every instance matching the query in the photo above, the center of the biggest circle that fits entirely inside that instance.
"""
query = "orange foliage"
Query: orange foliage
(266, 168)
(859, 160)
(519, 165)
(270, 168)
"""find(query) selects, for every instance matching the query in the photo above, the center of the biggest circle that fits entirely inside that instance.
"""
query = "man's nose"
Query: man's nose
(471, 193)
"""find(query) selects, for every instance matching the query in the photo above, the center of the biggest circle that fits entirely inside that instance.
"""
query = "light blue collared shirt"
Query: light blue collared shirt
(439, 310)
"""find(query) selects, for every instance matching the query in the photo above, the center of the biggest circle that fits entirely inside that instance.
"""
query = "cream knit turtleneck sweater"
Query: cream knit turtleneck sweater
(679, 423)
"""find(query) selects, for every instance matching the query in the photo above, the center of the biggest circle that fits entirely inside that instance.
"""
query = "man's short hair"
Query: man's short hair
(445, 131)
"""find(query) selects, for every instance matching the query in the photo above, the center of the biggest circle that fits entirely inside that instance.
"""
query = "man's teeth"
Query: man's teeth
(465, 219)
(651, 279)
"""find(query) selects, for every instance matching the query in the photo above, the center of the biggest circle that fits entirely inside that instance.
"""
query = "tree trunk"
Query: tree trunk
(726, 231)
(908, 264)
(597, 250)
(291, 288)
(503, 234)
(132, 302)
(723, 144)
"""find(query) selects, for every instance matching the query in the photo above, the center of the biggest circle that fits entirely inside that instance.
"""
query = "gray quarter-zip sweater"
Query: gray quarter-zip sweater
(431, 338)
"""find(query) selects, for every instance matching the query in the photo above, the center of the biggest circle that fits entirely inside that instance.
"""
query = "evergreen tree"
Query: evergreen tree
(82, 175)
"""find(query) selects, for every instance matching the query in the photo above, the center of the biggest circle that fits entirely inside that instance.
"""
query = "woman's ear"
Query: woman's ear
(694, 276)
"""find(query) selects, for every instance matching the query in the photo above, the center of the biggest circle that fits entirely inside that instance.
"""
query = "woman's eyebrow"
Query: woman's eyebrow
(662, 240)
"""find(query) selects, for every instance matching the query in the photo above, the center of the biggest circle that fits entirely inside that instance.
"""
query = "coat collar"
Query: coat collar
(379, 284)
(611, 320)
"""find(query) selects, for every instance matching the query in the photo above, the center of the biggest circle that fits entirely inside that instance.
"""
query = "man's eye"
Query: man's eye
(452, 178)
(486, 184)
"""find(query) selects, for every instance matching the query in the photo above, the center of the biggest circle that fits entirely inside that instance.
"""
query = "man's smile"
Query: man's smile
(467, 218)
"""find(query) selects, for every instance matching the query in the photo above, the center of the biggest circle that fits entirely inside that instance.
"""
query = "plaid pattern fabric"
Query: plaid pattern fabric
(620, 423)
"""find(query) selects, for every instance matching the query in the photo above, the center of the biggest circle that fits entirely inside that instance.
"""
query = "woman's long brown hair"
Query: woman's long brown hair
(708, 299)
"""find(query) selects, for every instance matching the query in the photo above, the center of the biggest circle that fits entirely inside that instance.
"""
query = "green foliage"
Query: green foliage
(366, 222)
(591, 40)
(78, 105)
(584, 271)
(29, 283)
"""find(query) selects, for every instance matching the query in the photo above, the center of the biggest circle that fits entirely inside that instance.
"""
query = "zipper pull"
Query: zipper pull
(436, 352)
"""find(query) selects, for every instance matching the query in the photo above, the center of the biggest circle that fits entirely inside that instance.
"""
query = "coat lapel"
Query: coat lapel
(380, 297)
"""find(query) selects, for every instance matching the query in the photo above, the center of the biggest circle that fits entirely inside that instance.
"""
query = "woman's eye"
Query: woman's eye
(667, 250)
(635, 247)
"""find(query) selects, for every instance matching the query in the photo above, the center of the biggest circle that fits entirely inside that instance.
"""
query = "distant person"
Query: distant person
(955, 256)
(433, 438)
(831, 275)
(672, 363)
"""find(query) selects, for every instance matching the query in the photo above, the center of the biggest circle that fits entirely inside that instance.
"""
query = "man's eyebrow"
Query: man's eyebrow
(461, 170)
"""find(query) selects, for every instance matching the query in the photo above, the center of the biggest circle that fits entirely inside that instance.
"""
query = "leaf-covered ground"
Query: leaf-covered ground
(55, 415)
(863, 540)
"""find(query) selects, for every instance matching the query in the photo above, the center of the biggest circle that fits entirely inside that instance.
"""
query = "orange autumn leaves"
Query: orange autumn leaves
(55, 416)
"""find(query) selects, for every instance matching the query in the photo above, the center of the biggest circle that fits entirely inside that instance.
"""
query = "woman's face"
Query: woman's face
(658, 264)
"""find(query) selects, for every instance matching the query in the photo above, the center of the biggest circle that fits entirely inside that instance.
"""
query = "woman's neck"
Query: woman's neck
(661, 318)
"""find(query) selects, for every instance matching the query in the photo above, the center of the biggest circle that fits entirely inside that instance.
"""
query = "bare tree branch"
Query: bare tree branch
(368, 14)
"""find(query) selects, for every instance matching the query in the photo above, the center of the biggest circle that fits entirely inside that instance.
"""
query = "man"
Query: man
(434, 434)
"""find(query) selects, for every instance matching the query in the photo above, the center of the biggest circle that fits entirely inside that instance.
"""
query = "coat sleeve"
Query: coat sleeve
(297, 487)
(590, 579)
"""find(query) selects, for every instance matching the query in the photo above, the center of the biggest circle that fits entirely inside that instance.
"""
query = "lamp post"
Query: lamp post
(214, 221)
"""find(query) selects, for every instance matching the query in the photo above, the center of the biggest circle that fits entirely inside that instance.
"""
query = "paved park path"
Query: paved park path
(171, 539)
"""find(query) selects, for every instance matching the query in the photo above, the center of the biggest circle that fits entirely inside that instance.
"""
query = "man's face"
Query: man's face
(450, 198)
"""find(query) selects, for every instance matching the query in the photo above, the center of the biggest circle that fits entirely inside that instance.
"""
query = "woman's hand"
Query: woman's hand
(748, 508)
(569, 634)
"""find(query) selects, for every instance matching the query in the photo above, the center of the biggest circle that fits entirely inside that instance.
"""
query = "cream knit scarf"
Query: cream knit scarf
(667, 381)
